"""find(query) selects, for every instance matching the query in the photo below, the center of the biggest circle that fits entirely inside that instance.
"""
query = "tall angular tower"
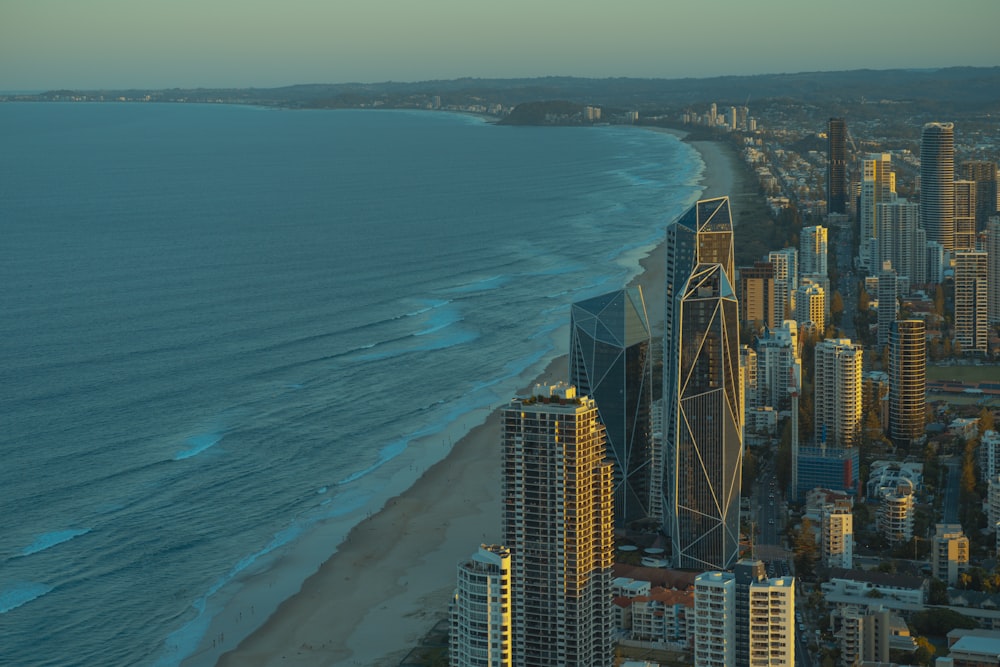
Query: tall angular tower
(937, 189)
(709, 445)
(701, 350)
(611, 361)
(558, 522)
(836, 171)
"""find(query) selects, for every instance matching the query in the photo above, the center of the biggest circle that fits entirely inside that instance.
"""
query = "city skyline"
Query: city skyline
(112, 44)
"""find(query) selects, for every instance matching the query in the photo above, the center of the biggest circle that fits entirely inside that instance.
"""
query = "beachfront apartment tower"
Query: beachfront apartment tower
(772, 623)
(611, 361)
(837, 394)
(971, 309)
(937, 189)
(901, 241)
(836, 170)
(907, 381)
(558, 523)
(812, 251)
(482, 611)
(702, 237)
(878, 186)
(837, 535)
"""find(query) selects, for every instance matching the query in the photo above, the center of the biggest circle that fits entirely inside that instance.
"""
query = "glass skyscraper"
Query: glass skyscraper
(703, 418)
(611, 361)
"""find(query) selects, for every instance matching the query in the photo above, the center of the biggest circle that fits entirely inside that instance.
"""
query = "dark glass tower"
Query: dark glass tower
(610, 361)
(836, 171)
(707, 465)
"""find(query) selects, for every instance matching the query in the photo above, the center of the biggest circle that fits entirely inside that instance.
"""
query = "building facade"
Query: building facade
(901, 241)
(993, 269)
(703, 413)
(812, 251)
(558, 522)
(971, 307)
(888, 302)
(878, 186)
(965, 215)
(836, 174)
(715, 619)
(837, 535)
(907, 381)
(837, 394)
(482, 611)
(949, 553)
(757, 295)
(937, 190)
(611, 361)
(786, 281)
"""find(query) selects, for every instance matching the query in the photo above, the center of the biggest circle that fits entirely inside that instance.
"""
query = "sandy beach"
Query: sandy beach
(390, 580)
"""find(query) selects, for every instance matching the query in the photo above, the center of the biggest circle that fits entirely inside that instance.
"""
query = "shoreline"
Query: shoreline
(390, 579)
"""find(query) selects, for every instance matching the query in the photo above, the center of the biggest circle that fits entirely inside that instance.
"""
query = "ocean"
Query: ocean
(222, 327)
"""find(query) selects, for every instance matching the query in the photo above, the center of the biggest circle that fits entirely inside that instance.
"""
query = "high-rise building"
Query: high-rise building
(812, 251)
(779, 366)
(888, 302)
(558, 523)
(837, 396)
(709, 448)
(772, 623)
(810, 306)
(971, 309)
(984, 173)
(611, 361)
(937, 260)
(715, 619)
(836, 171)
(878, 186)
(907, 381)
(703, 526)
(898, 241)
(937, 190)
(481, 613)
(837, 535)
(894, 516)
(823, 467)
(993, 269)
(965, 215)
(756, 286)
(786, 281)
(949, 553)
(744, 619)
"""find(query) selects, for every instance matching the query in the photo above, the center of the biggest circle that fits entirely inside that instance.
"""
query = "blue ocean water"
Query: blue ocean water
(217, 322)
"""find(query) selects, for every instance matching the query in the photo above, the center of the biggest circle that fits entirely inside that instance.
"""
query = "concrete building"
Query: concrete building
(482, 611)
(779, 366)
(878, 186)
(965, 215)
(611, 361)
(756, 295)
(949, 553)
(888, 302)
(901, 241)
(907, 381)
(558, 522)
(984, 173)
(837, 394)
(715, 619)
(772, 623)
(971, 310)
(810, 307)
(786, 281)
(813, 250)
(937, 190)
(989, 454)
(837, 535)
(834, 468)
(894, 516)
(993, 270)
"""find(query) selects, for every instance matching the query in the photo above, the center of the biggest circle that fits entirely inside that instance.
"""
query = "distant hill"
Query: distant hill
(953, 90)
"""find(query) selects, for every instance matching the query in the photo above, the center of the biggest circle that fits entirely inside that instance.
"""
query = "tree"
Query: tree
(836, 307)
(985, 420)
(924, 655)
(806, 550)
(939, 301)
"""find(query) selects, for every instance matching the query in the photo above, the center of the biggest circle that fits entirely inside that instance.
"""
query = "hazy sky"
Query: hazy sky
(46, 44)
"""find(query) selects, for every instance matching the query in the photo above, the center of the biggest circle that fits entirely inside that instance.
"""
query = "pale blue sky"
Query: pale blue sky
(46, 44)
